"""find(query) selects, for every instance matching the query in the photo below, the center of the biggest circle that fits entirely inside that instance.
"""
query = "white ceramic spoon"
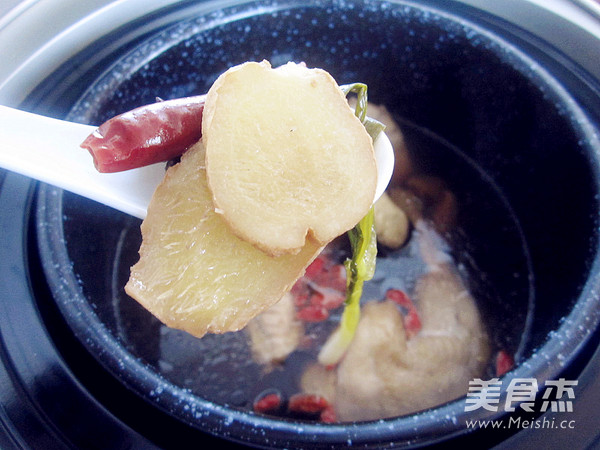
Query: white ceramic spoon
(48, 150)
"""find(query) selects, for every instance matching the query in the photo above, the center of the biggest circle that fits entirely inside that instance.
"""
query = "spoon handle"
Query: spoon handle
(48, 150)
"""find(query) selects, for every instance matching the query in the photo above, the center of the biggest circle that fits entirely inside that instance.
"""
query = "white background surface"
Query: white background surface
(7, 5)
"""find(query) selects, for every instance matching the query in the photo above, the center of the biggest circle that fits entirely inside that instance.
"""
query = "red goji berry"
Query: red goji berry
(328, 415)
(302, 286)
(504, 362)
(399, 297)
(333, 277)
(307, 403)
(317, 298)
(333, 299)
(338, 277)
(301, 299)
(315, 267)
(327, 298)
(312, 313)
(412, 323)
(300, 292)
(299, 287)
(267, 403)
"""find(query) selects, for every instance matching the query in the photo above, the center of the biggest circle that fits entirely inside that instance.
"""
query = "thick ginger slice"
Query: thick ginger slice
(286, 157)
(194, 273)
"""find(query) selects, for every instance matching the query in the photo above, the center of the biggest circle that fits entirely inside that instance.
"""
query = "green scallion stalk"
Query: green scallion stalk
(363, 242)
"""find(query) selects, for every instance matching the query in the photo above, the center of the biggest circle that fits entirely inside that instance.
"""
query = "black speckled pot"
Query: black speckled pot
(525, 124)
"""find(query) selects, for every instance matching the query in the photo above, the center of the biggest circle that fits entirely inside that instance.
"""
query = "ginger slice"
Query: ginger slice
(194, 273)
(286, 158)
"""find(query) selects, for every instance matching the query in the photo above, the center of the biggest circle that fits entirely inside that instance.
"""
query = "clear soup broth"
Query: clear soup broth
(459, 221)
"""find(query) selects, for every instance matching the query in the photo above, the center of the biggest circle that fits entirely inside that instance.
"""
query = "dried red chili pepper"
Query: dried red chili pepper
(146, 135)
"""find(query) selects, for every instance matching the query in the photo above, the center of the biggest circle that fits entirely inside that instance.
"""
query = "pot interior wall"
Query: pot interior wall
(475, 113)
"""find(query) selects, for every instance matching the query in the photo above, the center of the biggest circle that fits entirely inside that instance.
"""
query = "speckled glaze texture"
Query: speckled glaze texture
(496, 102)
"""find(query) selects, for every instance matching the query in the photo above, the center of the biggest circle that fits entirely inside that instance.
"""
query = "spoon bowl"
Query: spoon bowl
(48, 150)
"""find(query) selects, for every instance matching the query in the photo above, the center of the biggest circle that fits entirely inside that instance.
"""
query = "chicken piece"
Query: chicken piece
(275, 333)
(433, 249)
(391, 223)
(319, 380)
(384, 374)
(365, 388)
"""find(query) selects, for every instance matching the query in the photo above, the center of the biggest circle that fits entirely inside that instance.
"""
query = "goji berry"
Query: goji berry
(328, 415)
(333, 299)
(300, 292)
(504, 362)
(333, 277)
(412, 323)
(312, 313)
(301, 299)
(337, 277)
(327, 298)
(299, 287)
(317, 298)
(399, 297)
(315, 267)
(307, 403)
(270, 402)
